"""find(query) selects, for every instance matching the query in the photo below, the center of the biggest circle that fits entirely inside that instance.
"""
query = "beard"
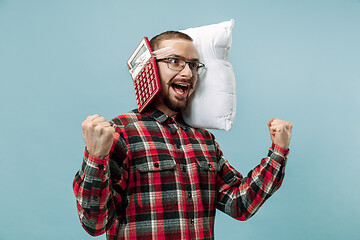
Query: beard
(176, 106)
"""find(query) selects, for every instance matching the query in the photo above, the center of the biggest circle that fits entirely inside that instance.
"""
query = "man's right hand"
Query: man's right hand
(98, 135)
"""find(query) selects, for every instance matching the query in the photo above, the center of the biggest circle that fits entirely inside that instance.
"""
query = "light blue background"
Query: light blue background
(297, 60)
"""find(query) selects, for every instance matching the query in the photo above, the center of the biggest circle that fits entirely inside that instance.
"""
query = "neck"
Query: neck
(161, 106)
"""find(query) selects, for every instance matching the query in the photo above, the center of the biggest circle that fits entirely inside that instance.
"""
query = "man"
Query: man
(151, 176)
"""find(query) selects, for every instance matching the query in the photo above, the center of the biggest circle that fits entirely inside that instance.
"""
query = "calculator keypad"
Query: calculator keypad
(146, 85)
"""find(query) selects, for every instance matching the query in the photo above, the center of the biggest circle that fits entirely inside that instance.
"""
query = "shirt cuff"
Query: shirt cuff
(277, 153)
(284, 151)
(94, 166)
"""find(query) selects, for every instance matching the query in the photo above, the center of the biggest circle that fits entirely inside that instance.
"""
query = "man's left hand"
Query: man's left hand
(280, 132)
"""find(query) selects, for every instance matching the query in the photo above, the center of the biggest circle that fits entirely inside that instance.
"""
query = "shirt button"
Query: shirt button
(210, 165)
(189, 194)
(156, 165)
(192, 221)
(101, 167)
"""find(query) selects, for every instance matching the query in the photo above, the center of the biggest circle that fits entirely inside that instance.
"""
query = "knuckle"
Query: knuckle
(90, 117)
(110, 131)
(92, 125)
(85, 124)
(97, 127)
(100, 119)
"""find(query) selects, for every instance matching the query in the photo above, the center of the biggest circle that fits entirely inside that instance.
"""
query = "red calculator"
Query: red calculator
(143, 71)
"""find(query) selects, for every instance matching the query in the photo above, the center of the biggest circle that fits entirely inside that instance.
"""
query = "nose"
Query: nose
(186, 71)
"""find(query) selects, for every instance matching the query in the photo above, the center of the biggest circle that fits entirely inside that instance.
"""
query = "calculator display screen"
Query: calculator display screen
(137, 56)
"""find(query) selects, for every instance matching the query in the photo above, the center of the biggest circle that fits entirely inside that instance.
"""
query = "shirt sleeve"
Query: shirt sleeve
(241, 197)
(94, 191)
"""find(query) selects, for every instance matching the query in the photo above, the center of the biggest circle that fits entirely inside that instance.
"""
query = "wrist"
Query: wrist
(97, 154)
(281, 149)
(94, 156)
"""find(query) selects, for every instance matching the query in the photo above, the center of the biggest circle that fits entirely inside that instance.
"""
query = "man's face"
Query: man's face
(176, 86)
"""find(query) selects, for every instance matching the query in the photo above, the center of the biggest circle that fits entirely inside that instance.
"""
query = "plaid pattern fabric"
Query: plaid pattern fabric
(164, 179)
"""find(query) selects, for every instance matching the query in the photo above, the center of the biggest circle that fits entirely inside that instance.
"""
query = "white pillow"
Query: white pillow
(213, 104)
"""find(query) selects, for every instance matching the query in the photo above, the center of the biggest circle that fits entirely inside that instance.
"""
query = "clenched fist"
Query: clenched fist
(98, 135)
(280, 132)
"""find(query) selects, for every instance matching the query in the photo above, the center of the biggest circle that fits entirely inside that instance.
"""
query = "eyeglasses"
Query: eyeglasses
(178, 64)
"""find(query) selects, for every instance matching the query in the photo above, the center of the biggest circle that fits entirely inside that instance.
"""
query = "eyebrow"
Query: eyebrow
(181, 57)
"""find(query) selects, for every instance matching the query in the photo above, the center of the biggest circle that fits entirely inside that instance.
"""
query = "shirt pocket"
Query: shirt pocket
(207, 164)
(156, 183)
(207, 168)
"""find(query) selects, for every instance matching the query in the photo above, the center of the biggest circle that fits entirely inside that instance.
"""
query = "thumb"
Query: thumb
(270, 122)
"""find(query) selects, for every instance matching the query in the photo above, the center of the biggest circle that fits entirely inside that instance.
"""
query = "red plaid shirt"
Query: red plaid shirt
(164, 179)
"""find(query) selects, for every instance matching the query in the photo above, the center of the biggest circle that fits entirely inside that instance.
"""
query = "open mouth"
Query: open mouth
(180, 88)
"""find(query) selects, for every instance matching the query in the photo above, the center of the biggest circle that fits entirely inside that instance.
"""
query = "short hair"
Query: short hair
(155, 41)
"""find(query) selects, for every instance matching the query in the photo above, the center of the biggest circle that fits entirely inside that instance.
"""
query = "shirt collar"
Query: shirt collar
(157, 115)
(162, 118)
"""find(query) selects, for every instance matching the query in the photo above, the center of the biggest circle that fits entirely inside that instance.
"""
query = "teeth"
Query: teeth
(182, 84)
(181, 87)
